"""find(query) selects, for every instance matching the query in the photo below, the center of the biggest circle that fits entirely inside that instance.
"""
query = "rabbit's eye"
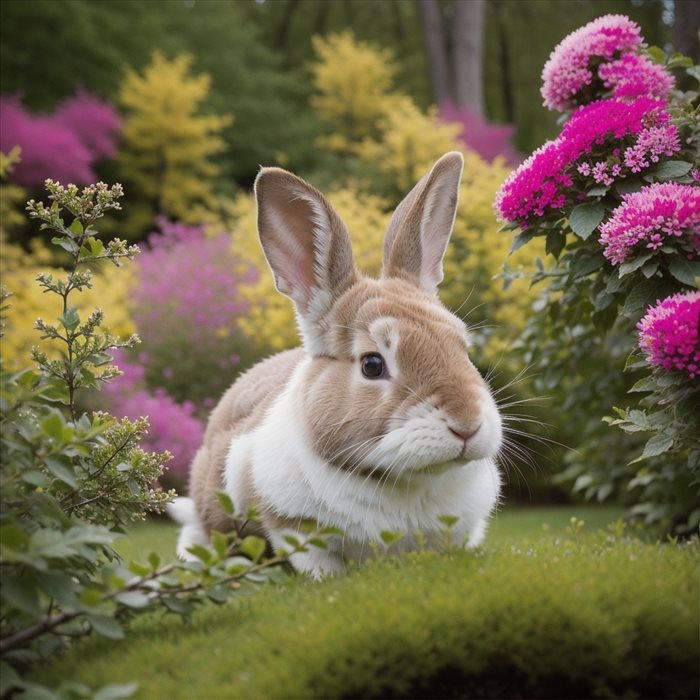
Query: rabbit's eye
(372, 365)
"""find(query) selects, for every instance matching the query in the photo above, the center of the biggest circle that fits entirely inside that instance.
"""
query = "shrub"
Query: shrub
(187, 305)
(168, 145)
(71, 482)
(520, 621)
(608, 180)
(66, 144)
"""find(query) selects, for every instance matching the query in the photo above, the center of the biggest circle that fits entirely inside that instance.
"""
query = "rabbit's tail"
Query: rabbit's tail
(183, 511)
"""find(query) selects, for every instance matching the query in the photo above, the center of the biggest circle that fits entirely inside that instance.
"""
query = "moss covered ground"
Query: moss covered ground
(534, 614)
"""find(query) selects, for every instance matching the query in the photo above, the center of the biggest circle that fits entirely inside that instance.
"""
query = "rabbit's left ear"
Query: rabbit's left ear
(305, 241)
(420, 228)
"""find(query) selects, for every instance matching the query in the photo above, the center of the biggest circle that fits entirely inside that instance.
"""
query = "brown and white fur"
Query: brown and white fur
(306, 435)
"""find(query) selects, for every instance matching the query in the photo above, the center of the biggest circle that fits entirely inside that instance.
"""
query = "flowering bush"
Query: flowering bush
(668, 334)
(186, 304)
(602, 143)
(609, 180)
(660, 218)
(65, 145)
(600, 60)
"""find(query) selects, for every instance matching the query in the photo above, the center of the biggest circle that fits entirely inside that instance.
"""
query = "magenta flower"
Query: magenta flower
(49, 149)
(668, 334)
(187, 281)
(602, 143)
(95, 122)
(598, 60)
(657, 215)
(63, 146)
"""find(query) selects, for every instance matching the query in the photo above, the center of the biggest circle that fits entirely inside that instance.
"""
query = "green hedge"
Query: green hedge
(568, 619)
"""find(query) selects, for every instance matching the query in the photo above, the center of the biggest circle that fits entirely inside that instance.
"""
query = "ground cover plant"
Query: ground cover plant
(517, 620)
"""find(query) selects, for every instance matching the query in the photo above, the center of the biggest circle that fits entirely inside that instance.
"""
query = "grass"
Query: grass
(532, 615)
(510, 525)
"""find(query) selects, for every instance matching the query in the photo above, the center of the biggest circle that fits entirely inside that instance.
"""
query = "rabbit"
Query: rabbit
(380, 422)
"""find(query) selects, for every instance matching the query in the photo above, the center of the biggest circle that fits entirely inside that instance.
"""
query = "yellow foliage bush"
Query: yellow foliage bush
(167, 145)
(353, 81)
(28, 302)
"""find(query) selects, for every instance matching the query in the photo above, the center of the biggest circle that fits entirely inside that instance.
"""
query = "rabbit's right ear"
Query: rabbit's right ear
(420, 228)
(305, 242)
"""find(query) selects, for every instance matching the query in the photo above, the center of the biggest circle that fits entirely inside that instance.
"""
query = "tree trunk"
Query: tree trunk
(685, 28)
(467, 54)
(454, 46)
(436, 48)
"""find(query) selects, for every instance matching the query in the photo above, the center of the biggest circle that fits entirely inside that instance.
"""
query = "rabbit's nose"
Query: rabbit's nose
(463, 435)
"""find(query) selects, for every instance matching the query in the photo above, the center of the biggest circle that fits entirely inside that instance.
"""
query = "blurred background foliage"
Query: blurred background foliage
(202, 94)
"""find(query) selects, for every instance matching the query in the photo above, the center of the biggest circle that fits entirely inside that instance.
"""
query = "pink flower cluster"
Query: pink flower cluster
(668, 334)
(187, 280)
(601, 143)
(656, 215)
(601, 59)
(64, 145)
(478, 135)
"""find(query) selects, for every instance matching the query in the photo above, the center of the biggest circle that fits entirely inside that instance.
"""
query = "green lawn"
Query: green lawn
(510, 525)
(539, 612)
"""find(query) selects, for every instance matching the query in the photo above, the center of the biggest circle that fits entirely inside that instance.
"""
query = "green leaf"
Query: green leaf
(225, 502)
(53, 424)
(253, 547)
(21, 592)
(106, 626)
(62, 468)
(520, 240)
(292, 541)
(585, 218)
(657, 445)
(318, 542)
(672, 169)
(154, 560)
(96, 246)
(133, 599)
(139, 569)
(632, 265)
(390, 537)
(684, 270)
(554, 244)
(657, 55)
(76, 227)
(201, 552)
(220, 543)
(65, 243)
(678, 60)
(448, 520)
(599, 191)
(70, 319)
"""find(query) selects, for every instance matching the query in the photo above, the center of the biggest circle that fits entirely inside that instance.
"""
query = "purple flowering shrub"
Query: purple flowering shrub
(617, 198)
(64, 145)
(186, 306)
